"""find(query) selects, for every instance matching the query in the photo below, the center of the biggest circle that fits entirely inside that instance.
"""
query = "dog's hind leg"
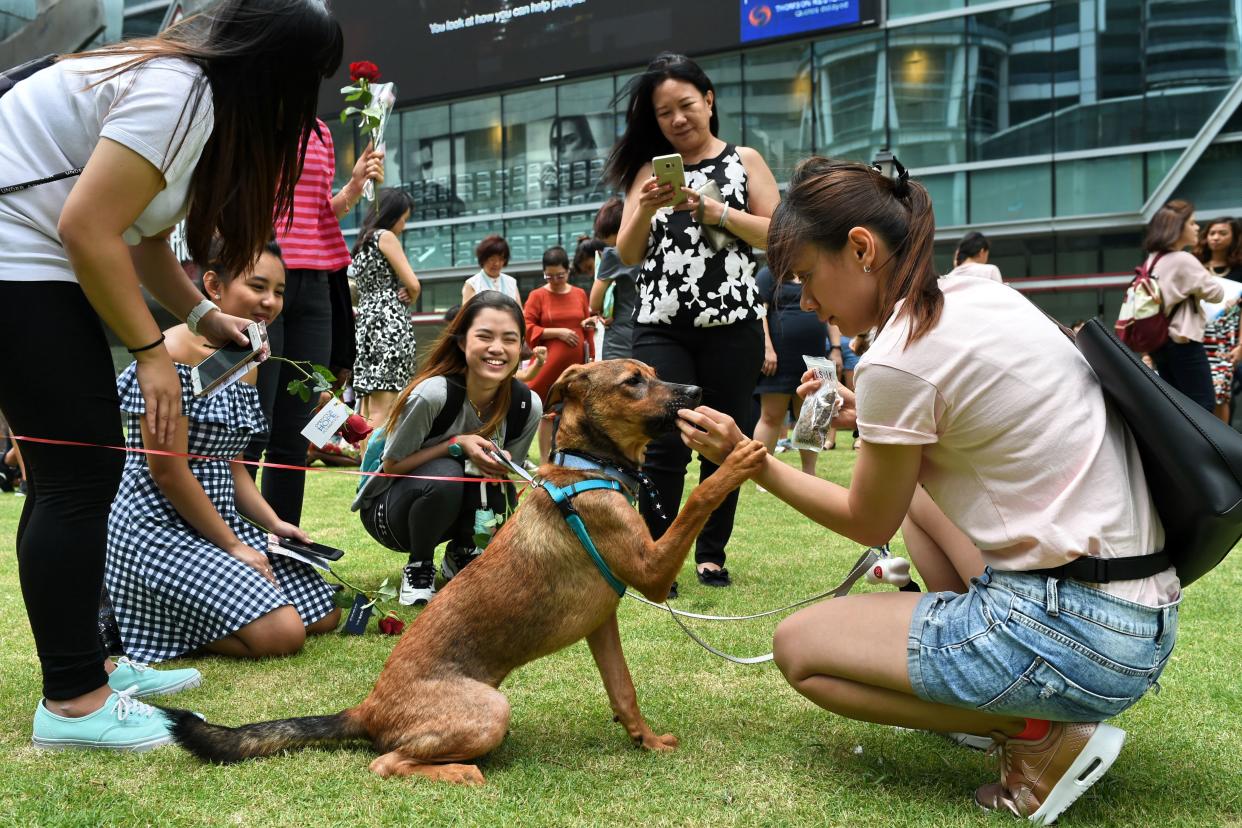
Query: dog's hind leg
(441, 724)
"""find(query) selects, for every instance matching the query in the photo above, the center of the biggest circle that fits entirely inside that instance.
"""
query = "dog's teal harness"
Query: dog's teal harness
(616, 480)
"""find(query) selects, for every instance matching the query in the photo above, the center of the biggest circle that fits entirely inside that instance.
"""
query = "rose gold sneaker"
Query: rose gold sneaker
(1041, 779)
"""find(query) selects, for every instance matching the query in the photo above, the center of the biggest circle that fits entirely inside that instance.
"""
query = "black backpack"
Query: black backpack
(515, 421)
(9, 79)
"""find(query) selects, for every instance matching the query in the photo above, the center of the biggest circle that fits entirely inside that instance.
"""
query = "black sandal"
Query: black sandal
(714, 577)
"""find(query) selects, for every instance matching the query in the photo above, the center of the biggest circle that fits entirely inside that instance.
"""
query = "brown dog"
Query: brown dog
(535, 591)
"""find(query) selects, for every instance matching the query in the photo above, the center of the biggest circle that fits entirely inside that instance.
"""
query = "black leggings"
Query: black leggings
(60, 384)
(416, 516)
(302, 332)
(724, 362)
(1184, 365)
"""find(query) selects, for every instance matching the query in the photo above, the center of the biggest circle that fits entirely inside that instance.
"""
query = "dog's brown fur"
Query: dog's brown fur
(436, 704)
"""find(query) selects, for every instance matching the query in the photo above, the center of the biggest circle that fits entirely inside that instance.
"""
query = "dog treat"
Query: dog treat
(818, 409)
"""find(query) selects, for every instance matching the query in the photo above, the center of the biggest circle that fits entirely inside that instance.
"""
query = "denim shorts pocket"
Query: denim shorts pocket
(1043, 692)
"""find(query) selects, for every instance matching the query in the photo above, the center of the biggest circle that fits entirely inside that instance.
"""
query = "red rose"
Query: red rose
(355, 429)
(364, 69)
(391, 625)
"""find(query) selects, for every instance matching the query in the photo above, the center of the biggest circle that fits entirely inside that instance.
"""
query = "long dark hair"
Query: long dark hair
(1165, 228)
(643, 139)
(827, 199)
(971, 245)
(391, 204)
(263, 61)
(1233, 256)
(448, 359)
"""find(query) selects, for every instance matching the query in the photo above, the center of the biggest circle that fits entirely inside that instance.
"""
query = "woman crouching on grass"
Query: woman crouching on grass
(463, 404)
(185, 570)
(984, 423)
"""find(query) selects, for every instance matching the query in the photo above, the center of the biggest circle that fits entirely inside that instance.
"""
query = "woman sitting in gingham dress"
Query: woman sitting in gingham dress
(185, 570)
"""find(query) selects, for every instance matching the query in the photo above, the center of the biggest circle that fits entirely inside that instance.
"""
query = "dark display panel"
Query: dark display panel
(450, 48)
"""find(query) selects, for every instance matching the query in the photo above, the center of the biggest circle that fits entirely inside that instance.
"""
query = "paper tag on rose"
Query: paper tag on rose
(324, 424)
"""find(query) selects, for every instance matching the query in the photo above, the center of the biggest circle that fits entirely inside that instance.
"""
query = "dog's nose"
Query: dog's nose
(694, 395)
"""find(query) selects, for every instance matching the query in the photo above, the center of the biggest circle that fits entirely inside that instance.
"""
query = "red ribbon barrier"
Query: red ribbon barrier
(259, 463)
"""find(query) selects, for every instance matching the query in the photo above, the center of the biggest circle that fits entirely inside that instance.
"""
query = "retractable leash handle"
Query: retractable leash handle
(891, 570)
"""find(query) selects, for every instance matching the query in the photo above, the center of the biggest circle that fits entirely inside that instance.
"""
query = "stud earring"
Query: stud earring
(866, 268)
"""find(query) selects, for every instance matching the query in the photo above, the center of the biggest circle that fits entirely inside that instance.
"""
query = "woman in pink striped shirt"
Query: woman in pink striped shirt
(317, 324)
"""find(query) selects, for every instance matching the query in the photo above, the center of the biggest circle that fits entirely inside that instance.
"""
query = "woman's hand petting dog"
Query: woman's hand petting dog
(712, 434)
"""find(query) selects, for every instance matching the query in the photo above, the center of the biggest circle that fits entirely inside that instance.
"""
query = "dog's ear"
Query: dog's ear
(557, 393)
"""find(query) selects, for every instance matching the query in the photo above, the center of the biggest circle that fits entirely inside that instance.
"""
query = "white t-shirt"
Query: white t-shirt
(979, 271)
(51, 122)
(1020, 451)
(504, 283)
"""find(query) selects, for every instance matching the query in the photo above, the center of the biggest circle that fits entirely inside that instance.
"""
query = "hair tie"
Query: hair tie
(887, 165)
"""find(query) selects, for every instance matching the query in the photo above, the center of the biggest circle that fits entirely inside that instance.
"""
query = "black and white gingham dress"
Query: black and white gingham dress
(173, 590)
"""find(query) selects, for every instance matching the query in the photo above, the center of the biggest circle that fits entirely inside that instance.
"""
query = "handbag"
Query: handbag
(1192, 460)
(718, 238)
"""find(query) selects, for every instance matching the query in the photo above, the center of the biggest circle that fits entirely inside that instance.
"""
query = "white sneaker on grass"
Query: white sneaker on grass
(418, 584)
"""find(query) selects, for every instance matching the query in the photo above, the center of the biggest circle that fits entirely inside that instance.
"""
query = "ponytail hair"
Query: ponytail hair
(826, 199)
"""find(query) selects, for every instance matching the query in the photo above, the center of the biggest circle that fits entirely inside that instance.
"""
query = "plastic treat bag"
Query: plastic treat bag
(818, 409)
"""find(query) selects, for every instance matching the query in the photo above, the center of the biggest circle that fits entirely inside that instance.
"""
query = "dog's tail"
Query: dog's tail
(225, 745)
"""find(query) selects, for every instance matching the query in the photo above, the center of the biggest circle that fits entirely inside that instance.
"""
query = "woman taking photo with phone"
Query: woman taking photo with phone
(463, 404)
(983, 422)
(177, 528)
(171, 126)
(698, 319)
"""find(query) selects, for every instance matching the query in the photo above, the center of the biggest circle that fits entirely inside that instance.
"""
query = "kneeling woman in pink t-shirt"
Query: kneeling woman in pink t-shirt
(987, 441)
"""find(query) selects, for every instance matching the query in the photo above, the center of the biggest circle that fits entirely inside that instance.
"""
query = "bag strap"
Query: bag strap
(10, 79)
(452, 405)
(1104, 570)
(519, 409)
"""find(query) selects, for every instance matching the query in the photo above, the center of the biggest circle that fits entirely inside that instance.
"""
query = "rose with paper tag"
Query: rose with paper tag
(335, 417)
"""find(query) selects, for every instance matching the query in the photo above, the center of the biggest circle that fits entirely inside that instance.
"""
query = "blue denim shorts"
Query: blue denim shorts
(1019, 644)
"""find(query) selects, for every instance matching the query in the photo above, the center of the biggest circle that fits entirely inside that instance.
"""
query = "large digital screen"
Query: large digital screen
(450, 48)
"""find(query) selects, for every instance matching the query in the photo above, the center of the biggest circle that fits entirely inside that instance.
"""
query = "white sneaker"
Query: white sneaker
(418, 584)
(456, 559)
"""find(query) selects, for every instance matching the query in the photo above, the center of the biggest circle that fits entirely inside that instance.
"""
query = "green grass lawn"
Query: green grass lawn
(752, 751)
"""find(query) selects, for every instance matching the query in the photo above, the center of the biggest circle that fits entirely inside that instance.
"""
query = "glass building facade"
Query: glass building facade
(1048, 125)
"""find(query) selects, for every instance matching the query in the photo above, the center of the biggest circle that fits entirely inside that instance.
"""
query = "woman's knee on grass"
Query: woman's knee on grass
(278, 633)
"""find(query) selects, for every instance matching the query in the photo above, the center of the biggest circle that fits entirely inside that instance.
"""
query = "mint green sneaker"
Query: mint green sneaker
(123, 723)
(149, 681)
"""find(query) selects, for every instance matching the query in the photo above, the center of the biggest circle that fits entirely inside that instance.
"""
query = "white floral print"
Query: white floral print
(683, 282)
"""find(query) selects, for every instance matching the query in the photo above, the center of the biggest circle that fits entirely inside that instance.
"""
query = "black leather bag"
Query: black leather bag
(1192, 460)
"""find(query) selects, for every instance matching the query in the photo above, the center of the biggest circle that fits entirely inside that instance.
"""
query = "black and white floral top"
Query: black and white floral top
(683, 283)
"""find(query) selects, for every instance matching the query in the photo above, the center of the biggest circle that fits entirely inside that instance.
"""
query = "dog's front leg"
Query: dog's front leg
(605, 644)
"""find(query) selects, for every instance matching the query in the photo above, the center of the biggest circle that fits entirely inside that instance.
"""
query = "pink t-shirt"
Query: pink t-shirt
(1020, 451)
(314, 242)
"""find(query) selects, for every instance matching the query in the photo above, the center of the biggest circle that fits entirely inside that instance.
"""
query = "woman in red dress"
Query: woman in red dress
(558, 316)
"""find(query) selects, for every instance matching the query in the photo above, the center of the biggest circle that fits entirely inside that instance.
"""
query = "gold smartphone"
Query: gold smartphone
(668, 169)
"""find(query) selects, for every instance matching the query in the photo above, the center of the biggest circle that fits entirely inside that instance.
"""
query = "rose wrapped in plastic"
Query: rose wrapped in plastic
(373, 104)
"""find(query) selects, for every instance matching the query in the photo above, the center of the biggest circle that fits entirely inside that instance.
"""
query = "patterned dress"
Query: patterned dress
(1220, 337)
(385, 332)
(683, 282)
(173, 590)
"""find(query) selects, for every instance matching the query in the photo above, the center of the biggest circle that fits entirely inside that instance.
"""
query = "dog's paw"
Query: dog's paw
(663, 744)
(744, 462)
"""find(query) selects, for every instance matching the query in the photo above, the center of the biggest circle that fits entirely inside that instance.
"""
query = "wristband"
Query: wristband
(454, 449)
(834, 347)
(197, 313)
(154, 344)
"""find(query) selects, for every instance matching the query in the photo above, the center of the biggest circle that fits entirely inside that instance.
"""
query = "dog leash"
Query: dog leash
(860, 568)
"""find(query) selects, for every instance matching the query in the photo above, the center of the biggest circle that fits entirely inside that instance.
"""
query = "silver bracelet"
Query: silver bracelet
(724, 215)
(197, 313)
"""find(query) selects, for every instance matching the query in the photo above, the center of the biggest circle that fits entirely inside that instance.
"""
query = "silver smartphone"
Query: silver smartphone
(224, 363)
(669, 169)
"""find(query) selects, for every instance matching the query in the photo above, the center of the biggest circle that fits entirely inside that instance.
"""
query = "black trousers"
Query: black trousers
(59, 383)
(1184, 365)
(724, 362)
(416, 516)
(302, 332)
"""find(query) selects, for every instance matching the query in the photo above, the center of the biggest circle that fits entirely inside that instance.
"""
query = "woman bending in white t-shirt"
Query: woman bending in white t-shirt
(1007, 462)
(207, 121)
